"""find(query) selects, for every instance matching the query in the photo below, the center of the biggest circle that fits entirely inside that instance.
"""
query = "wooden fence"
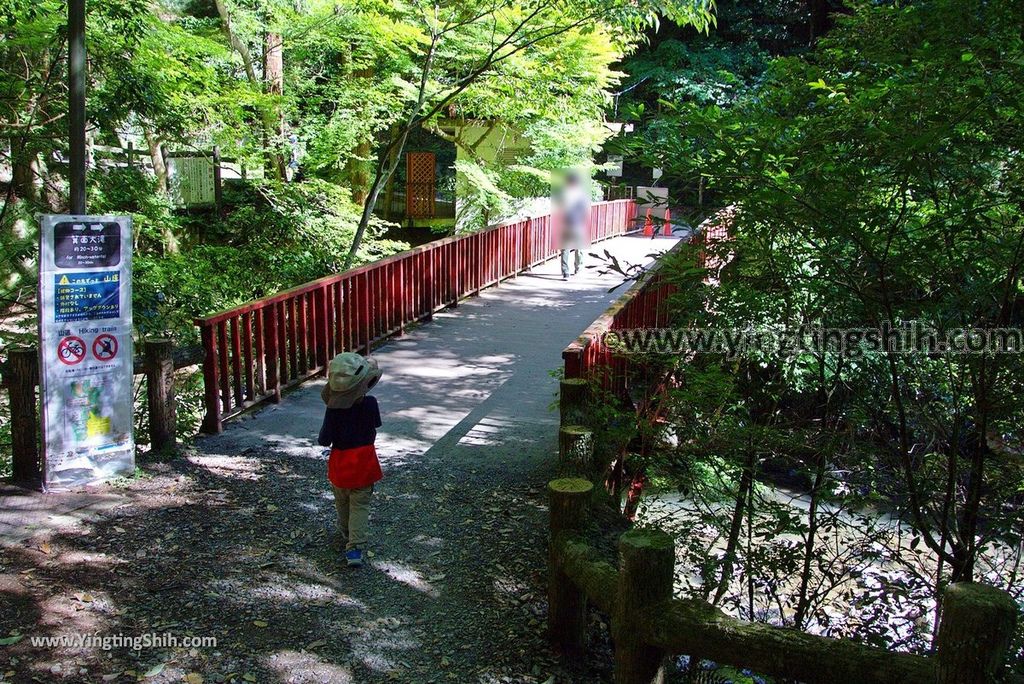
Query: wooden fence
(255, 351)
(195, 178)
(648, 624)
(21, 379)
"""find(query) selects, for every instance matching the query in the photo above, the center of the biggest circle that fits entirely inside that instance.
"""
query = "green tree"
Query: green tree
(465, 42)
(878, 181)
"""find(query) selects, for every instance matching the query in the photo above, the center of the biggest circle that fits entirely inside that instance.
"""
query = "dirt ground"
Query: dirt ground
(240, 549)
(233, 540)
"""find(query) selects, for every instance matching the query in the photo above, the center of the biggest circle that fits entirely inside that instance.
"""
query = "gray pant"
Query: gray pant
(353, 506)
(565, 260)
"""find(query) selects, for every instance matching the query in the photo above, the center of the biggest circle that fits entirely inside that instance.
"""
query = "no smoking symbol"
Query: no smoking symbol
(104, 347)
(71, 350)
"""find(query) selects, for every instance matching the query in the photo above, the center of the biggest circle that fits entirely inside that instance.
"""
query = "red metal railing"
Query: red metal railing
(644, 305)
(255, 351)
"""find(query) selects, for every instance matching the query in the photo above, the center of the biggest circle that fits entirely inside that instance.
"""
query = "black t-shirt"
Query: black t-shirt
(351, 427)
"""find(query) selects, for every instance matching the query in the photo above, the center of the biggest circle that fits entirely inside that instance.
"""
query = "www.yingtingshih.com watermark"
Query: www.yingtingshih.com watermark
(132, 642)
(908, 338)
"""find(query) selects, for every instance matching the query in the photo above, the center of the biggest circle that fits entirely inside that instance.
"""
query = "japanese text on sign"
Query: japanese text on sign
(86, 296)
(86, 357)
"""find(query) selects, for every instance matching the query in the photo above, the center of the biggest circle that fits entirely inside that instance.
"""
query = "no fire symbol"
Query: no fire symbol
(104, 347)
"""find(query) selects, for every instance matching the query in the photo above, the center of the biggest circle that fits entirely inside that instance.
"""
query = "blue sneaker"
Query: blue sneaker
(354, 558)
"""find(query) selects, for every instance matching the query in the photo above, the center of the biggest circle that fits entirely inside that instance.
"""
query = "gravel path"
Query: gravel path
(235, 540)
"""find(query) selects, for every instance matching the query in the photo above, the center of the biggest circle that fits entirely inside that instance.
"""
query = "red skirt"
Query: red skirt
(353, 468)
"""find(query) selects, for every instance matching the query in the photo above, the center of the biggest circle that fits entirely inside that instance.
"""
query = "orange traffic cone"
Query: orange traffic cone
(648, 224)
(667, 229)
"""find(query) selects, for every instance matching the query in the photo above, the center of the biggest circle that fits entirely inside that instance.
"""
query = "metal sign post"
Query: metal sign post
(86, 355)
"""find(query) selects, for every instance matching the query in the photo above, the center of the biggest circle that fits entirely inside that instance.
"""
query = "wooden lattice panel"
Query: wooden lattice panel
(420, 185)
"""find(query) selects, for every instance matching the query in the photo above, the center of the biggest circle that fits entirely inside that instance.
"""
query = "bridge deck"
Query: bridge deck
(454, 590)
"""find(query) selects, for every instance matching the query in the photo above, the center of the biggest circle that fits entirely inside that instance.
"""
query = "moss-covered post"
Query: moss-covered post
(575, 451)
(646, 576)
(572, 401)
(977, 624)
(569, 499)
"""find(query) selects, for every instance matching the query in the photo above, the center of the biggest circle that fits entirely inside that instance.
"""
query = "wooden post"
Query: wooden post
(978, 622)
(160, 394)
(22, 379)
(646, 575)
(131, 155)
(218, 185)
(272, 352)
(323, 327)
(572, 401)
(400, 267)
(479, 269)
(432, 291)
(499, 271)
(211, 379)
(575, 450)
(569, 500)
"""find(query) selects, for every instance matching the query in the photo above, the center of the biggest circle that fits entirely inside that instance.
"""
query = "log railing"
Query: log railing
(255, 351)
(648, 624)
(20, 377)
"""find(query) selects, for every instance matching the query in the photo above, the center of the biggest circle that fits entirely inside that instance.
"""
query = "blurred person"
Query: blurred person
(572, 219)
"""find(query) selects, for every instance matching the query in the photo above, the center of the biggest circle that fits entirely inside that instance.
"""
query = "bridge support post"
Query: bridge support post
(569, 501)
(977, 625)
(160, 394)
(646, 576)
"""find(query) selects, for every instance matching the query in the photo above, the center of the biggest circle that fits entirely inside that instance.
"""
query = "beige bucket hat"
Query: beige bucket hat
(349, 377)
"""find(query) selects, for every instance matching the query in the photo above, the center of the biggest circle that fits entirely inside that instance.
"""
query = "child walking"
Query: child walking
(350, 429)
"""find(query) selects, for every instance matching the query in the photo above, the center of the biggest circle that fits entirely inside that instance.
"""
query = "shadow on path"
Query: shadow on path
(233, 542)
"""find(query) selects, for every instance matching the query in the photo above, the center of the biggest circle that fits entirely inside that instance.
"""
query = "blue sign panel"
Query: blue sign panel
(87, 296)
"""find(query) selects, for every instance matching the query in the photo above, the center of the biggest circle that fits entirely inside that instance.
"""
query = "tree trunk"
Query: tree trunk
(819, 19)
(736, 526)
(803, 602)
(236, 44)
(273, 69)
(24, 169)
(273, 73)
(358, 167)
(359, 174)
(156, 154)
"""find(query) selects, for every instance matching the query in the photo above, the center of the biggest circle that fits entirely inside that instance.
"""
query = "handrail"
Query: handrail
(252, 352)
(648, 623)
(643, 305)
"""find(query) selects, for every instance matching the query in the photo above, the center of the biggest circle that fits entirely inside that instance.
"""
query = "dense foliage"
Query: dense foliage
(877, 181)
(315, 99)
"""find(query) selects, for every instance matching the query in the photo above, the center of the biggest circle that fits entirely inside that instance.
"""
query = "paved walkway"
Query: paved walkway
(475, 385)
(233, 542)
